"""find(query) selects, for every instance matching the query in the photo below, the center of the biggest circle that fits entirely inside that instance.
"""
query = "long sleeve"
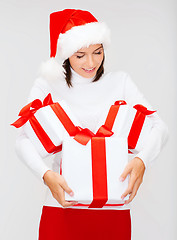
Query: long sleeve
(159, 134)
(23, 146)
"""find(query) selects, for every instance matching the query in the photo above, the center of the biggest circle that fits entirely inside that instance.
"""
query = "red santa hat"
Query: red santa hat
(70, 30)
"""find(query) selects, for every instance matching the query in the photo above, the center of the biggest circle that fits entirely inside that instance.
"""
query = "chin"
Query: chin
(89, 76)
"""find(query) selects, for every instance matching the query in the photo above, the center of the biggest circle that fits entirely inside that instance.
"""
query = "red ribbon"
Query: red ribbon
(43, 137)
(113, 113)
(29, 110)
(137, 125)
(99, 171)
(64, 119)
(84, 135)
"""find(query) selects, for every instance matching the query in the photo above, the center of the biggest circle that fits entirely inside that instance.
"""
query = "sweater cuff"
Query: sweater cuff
(43, 171)
(144, 160)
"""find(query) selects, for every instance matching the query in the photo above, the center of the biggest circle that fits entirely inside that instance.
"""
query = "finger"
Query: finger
(65, 186)
(126, 171)
(65, 203)
(131, 183)
(69, 204)
(60, 197)
(134, 192)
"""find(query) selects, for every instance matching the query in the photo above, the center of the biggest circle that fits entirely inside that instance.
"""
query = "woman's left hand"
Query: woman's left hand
(136, 170)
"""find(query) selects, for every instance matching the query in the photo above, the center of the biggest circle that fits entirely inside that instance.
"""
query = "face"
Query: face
(86, 61)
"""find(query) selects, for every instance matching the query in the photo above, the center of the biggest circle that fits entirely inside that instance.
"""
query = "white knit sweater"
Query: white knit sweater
(89, 101)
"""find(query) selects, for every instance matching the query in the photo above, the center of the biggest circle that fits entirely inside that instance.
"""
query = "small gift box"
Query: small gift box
(135, 123)
(44, 124)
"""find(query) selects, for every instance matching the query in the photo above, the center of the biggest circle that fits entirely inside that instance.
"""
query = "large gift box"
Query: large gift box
(92, 171)
(92, 163)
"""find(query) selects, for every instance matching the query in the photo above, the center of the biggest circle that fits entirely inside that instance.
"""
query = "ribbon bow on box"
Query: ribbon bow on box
(30, 109)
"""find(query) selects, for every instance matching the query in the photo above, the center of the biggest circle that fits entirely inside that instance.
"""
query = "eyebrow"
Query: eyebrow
(93, 51)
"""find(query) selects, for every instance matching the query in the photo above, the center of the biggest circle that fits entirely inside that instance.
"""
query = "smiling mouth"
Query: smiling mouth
(89, 70)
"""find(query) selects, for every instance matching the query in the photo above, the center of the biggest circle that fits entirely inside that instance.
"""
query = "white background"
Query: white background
(144, 45)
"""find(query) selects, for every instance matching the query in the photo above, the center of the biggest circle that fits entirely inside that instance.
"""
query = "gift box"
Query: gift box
(92, 171)
(44, 124)
(92, 164)
(135, 123)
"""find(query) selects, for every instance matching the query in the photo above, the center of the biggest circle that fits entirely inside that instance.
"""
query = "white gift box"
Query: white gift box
(129, 123)
(52, 126)
(77, 169)
(44, 127)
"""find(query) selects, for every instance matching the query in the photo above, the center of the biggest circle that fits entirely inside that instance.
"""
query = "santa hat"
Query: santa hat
(70, 30)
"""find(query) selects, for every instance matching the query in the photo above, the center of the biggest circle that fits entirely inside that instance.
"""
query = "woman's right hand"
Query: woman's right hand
(57, 186)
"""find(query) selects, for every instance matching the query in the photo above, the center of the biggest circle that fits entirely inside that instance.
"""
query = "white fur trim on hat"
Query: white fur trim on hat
(82, 36)
(51, 70)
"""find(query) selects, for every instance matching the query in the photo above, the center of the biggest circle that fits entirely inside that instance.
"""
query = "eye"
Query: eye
(79, 56)
(98, 52)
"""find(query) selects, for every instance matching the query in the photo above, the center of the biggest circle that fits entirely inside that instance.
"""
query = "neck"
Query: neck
(76, 78)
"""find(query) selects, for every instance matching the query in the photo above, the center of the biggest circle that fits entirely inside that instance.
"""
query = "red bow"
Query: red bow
(143, 109)
(84, 135)
(29, 110)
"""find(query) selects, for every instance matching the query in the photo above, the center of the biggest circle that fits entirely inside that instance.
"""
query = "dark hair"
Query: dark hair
(66, 65)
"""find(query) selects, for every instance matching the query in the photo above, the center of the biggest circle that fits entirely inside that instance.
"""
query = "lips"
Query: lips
(88, 71)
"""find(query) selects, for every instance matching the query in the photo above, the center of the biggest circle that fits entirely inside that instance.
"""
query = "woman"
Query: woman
(81, 42)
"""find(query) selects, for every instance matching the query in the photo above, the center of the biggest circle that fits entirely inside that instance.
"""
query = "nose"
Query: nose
(90, 61)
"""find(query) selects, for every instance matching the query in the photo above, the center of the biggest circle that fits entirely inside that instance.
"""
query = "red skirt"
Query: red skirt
(77, 224)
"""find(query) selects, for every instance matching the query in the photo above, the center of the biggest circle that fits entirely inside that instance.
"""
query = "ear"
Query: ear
(51, 70)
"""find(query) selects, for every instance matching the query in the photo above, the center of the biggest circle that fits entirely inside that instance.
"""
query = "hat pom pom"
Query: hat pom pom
(51, 70)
